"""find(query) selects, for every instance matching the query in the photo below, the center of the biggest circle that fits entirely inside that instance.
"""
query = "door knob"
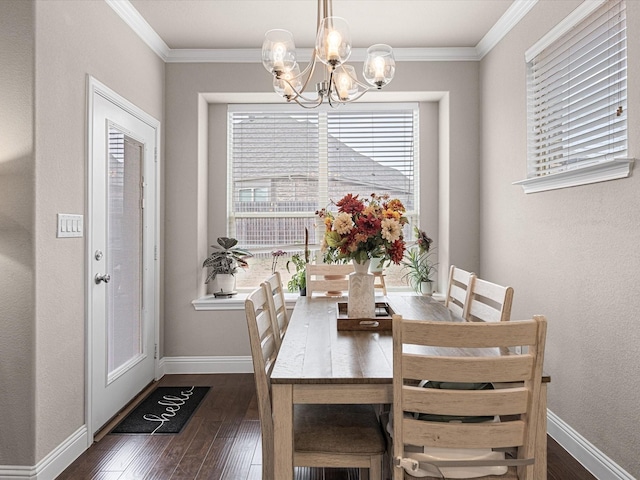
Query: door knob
(102, 278)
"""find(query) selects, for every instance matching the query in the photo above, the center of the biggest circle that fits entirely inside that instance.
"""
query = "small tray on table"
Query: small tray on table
(381, 323)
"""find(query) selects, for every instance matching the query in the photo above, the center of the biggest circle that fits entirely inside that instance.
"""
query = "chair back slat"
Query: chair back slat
(489, 302)
(511, 401)
(458, 290)
(274, 291)
(468, 369)
(479, 311)
(469, 335)
(456, 300)
(463, 435)
(317, 281)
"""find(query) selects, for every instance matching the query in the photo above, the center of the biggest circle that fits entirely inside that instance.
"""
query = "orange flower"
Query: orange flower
(395, 205)
(391, 214)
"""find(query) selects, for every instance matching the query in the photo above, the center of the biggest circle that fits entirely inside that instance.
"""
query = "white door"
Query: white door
(122, 251)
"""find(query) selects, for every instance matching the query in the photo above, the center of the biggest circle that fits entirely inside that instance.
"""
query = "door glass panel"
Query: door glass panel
(124, 237)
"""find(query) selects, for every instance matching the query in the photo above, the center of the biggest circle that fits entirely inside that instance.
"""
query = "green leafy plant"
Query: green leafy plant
(418, 263)
(332, 256)
(226, 258)
(298, 280)
(418, 268)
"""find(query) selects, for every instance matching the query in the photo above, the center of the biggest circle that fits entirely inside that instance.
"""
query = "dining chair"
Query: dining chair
(451, 354)
(274, 291)
(332, 278)
(324, 435)
(489, 302)
(459, 290)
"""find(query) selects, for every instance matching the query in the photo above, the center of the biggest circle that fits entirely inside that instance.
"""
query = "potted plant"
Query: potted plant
(418, 264)
(224, 262)
(298, 280)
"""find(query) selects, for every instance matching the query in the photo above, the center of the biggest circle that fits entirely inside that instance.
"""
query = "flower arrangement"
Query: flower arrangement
(418, 262)
(365, 228)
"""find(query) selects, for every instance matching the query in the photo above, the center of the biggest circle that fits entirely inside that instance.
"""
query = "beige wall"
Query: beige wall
(17, 262)
(194, 218)
(42, 120)
(571, 254)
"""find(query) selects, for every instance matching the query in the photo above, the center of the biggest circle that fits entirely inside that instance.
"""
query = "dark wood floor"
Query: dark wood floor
(222, 441)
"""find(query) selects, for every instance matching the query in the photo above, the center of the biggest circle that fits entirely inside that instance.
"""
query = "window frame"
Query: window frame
(588, 171)
(323, 201)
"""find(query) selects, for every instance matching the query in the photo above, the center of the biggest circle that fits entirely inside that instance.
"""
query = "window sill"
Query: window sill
(600, 172)
(211, 303)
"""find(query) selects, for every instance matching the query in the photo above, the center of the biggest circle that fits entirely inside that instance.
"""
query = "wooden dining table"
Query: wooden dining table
(317, 363)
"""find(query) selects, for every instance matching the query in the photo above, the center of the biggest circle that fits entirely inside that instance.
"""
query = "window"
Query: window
(577, 98)
(253, 194)
(285, 163)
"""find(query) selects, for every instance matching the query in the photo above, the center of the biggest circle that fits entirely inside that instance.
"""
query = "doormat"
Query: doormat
(165, 410)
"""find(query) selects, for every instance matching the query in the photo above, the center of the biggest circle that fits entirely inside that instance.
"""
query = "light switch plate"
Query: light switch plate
(70, 225)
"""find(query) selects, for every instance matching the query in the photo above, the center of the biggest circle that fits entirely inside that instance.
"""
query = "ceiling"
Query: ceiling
(241, 24)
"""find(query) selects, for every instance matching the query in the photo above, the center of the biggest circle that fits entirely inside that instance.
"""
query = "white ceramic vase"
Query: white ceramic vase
(224, 283)
(362, 300)
(426, 288)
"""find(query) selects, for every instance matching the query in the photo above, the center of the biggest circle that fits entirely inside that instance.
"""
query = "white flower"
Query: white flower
(343, 223)
(391, 230)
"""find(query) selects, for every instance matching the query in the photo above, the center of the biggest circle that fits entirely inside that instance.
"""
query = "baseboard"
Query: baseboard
(600, 466)
(54, 463)
(186, 365)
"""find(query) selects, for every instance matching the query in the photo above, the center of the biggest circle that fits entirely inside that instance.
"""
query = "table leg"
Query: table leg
(282, 405)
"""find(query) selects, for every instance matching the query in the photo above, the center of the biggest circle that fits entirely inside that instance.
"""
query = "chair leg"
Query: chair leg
(375, 468)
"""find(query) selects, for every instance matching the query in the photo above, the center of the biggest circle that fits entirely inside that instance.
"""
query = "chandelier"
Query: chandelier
(333, 48)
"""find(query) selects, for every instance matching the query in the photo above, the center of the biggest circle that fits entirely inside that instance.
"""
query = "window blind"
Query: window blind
(372, 152)
(286, 163)
(577, 95)
(274, 176)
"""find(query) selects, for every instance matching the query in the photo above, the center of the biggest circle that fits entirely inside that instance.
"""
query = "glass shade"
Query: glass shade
(278, 51)
(344, 80)
(380, 66)
(288, 84)
(333, 42)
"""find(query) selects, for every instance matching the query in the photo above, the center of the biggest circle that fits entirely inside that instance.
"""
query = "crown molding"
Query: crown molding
(139, 25)
(443, 54)
(254, 55)
(513, 15)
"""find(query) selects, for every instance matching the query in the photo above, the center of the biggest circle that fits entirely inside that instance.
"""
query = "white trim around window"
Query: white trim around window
(599, 172)
(577, 100)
